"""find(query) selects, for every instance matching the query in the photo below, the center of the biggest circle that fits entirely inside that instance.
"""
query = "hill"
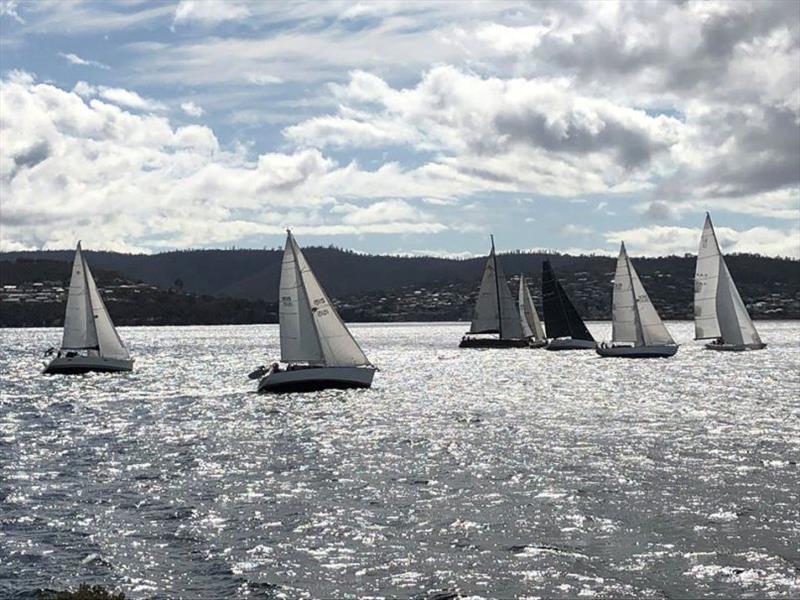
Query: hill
(376, 288)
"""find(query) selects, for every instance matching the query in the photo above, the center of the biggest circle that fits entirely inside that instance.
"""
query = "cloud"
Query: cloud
(77, 60)
(191, 109)
(660, 240)
(209, 12)
(76, 166)
(8, 8)
(262, 79)
(120, 96)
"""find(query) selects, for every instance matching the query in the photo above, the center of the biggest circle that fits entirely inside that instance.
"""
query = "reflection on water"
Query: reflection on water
(493, 473)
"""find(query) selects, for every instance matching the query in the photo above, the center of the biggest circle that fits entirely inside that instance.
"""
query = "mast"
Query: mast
(497, 291)
(88, 301)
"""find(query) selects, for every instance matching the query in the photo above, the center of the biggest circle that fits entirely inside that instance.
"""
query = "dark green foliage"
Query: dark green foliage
(207, 287)
(84, 592)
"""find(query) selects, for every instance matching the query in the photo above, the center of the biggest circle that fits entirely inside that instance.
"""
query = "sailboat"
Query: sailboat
(637, 330)
(719, 312)
(90, 342)
(495, 312)
(529, 318)
(316, 346)
(563, 323)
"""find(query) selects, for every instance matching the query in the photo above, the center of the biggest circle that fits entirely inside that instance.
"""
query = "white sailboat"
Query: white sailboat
(90, 341)
(316, 346)
(528, 317)
(719, 312)
(637, 330)
(495, 312)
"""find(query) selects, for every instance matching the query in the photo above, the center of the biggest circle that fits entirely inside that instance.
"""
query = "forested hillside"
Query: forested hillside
(200, 286)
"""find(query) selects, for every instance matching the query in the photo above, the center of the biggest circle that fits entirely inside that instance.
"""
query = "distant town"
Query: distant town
(33, 290)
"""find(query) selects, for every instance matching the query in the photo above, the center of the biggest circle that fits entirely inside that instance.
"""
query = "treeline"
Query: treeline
(241, 286)
(254, 274)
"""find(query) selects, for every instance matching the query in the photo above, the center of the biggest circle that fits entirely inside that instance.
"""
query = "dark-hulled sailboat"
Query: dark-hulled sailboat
(495, 312)
(318, 349)
(562, 322)
(90, 341)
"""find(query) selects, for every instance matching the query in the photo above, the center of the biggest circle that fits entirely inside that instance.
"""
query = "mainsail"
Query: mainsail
(79, 329)
(495, 311)
(635, 319)
(311, 329)
(719, 311)
(87, 324)
(528, 317)
(560, 317)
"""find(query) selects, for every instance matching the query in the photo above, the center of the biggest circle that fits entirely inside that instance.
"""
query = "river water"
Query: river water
(485, 473)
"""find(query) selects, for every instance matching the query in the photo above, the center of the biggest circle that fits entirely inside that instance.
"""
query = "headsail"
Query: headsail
(560, 317)
(635, 319)
(529, 319)
(315, 317)
(79, 327)
(108, 340)
(495, 311)
(718, 308)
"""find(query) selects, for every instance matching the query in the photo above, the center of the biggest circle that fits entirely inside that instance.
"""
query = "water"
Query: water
(494, 473)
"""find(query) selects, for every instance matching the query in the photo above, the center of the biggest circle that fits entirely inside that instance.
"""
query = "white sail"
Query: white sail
(706, 282)
(635, 319)
(719, 311)
(653, 330)
(339, 349)
(735, 325)
(486, 314)
(299, 340)
(524, 322)
(79, 327)
(495, 310)
(108, 340)
(625, 322)
(529, 318)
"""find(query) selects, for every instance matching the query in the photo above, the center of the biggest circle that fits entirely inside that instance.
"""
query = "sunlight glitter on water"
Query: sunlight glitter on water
(488, 472)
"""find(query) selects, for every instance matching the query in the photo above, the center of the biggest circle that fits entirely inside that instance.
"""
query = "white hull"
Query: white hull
(316, 378)
(664, 351)
(70, 365)
(571, 344)
(735, 347)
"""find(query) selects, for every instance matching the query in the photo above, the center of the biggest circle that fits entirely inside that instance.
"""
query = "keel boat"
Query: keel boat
(529, 318)
(562, 321)
(637, 330)
(90, 341)
(318, 350)
(719, 312)
(495, 312)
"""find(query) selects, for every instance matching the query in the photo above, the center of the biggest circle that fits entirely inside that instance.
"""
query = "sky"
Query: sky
(400, 127)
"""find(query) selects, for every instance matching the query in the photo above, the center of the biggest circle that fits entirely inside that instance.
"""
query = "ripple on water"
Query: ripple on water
(480, 473)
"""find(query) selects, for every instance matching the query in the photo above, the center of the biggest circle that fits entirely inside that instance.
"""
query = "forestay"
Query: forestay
(312, 315)
(719, 311)
(495, 311)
